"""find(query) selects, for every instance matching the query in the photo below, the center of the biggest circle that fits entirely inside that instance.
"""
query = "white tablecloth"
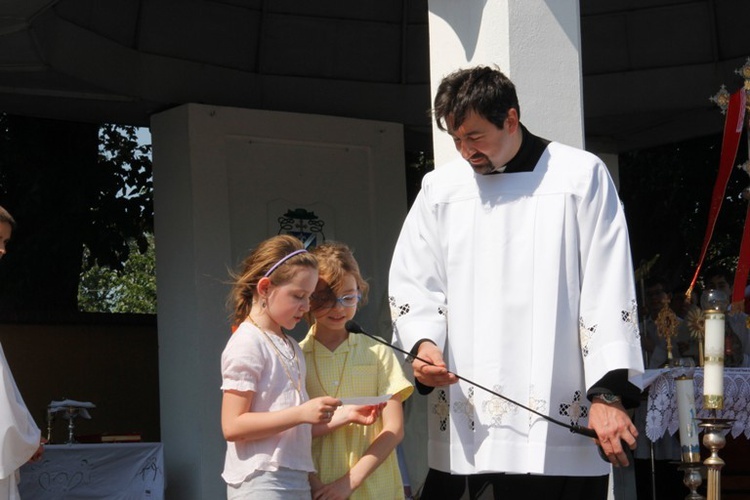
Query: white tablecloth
(663, 415)
(112, 471)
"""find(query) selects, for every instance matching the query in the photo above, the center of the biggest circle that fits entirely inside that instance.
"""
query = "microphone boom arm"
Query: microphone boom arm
(353, 327)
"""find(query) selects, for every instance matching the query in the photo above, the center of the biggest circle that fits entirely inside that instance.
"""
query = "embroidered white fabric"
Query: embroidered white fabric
(663, 415)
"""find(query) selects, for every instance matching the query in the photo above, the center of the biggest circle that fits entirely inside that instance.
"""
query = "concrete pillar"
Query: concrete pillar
(222, 179)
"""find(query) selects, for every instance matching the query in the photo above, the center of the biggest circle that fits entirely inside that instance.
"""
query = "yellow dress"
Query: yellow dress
(358, 367)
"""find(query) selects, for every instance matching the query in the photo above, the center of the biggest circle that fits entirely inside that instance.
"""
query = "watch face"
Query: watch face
(609, 398)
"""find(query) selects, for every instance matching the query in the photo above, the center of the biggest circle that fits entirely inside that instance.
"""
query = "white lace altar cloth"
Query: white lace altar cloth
(663, 416)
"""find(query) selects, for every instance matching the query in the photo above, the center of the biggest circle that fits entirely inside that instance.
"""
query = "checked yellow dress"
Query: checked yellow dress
(358, 367)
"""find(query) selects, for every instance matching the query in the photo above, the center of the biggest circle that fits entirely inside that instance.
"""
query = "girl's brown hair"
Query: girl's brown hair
(336, 259)
(258, 263)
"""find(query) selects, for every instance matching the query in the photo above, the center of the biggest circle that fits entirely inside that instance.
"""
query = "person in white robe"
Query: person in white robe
(20, 436)
(513, 269)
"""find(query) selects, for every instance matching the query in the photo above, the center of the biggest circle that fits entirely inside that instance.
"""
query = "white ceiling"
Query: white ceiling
(649, 65)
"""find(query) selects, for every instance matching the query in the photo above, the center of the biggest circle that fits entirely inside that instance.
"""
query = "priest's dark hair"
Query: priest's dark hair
(482, 89)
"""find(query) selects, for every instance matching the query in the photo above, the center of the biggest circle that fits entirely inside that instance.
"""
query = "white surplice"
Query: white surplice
(19, 433)
(525, 281)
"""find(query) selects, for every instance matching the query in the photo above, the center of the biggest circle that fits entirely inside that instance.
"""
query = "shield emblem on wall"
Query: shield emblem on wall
(303, 224)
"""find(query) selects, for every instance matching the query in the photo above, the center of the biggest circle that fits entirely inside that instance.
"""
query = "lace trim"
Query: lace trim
(662, 413)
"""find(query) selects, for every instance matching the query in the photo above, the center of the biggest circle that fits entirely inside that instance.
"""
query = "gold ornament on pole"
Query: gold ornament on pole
(666, 328)
(721, 99)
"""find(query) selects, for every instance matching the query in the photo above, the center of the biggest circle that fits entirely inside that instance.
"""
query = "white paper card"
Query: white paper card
(371, 400)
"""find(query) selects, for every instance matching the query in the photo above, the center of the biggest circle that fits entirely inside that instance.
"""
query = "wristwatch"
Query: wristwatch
(608, 398)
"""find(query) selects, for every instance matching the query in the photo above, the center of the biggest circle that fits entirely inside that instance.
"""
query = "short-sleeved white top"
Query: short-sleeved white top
(250, 363)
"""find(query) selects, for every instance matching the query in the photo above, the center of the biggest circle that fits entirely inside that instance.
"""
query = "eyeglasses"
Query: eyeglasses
(328, 301)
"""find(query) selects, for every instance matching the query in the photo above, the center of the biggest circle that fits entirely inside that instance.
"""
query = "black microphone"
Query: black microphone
(353, 327)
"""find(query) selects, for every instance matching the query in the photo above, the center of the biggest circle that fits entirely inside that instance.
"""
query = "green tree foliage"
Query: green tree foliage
(131, 289)
(69, 185)
(124, 208)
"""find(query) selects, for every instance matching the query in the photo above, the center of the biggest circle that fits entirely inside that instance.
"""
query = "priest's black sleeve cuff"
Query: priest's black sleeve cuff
(616, 382)
(421, 388)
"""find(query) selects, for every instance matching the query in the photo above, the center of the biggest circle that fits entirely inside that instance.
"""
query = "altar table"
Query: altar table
(663, 416)
(117, 471)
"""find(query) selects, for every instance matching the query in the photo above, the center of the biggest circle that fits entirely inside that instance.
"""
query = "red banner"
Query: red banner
(729, 145)
(743, 266)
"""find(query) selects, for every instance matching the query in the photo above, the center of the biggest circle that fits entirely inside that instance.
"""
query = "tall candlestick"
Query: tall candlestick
(689, 443)
(714, 303)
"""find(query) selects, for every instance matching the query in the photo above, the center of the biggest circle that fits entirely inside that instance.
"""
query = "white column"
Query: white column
(536, 43)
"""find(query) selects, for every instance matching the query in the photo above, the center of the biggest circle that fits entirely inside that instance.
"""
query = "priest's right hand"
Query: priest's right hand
(434, 373)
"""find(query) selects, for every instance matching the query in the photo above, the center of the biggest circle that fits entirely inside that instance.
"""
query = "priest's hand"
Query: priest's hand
(434, 374)
(615, 430)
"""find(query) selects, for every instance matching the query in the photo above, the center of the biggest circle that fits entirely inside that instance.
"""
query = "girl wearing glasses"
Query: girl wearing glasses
(353, 461)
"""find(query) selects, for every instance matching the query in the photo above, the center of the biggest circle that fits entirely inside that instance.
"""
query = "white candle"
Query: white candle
(713, 364)
(714, 304)
(688, 429)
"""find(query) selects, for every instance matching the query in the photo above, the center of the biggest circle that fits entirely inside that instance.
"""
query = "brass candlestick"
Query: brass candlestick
(693, 479)
(714, 440)
(50, 418)
(71, 413)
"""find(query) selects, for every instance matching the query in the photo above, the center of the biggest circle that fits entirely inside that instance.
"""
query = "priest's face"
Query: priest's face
(486, 147)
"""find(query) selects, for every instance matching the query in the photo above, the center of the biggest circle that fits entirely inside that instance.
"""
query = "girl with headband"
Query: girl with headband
(267, 417)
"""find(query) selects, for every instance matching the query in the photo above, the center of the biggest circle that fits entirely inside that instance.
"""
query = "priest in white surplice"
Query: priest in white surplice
(19, 435)
(513, 269)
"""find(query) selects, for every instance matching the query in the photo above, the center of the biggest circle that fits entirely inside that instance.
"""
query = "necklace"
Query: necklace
(285, 361)
(283, 338)
(338, 382)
